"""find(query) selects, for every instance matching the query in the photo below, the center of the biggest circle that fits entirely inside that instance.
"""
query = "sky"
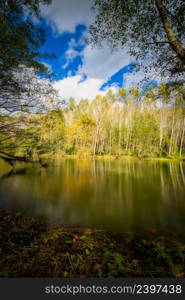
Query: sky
(80, 70)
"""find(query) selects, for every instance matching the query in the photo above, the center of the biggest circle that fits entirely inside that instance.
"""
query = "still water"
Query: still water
(119, 195)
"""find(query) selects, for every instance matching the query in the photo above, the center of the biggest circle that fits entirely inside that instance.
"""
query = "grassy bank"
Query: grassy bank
(112, 157)
(32, 248)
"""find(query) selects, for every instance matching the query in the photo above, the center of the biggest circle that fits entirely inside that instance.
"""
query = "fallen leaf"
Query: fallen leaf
(76, 237)
(97, 267)
(87, 251)
(82, 276)
(179, 275)
(88, 231)
(152, 230)
(135, 262)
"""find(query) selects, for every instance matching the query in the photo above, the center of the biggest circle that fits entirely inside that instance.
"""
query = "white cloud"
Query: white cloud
(98, 64)
(65, 15)
(73, 43)
(70, 55)
(133, 79)
(74, 87)
(102, 63)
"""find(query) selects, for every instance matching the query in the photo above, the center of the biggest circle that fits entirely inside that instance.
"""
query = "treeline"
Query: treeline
(149, 123)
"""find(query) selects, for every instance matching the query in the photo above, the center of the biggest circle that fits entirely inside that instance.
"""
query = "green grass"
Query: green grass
(116, 156)
(32, 248)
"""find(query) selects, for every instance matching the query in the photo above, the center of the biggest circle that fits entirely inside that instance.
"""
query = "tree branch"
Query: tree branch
(158, 42)
(174, 42)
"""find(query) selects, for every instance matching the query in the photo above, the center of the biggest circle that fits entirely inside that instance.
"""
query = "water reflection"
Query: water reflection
(121, 195)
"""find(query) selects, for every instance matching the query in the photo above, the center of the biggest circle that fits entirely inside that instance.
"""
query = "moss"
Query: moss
(4, 167)
(32, 248)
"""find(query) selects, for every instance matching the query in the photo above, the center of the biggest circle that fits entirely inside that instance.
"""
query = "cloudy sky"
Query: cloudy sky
(82, 71)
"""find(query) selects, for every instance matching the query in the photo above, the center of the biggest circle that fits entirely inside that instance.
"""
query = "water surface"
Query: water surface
(119, 195)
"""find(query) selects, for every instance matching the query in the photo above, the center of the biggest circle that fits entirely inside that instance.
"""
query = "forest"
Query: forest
(142, 124)
(92, 138)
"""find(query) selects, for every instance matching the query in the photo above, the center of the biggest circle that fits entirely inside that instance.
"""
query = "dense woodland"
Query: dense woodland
(149, 123)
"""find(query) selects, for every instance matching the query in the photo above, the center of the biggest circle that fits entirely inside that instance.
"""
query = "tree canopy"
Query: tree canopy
(153, 31)
(20, 40)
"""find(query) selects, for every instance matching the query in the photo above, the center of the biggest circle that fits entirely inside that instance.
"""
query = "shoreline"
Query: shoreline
(31, 247)
(111, 157)
(5, 166)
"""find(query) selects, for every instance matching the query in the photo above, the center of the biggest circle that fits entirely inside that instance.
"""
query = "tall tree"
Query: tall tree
(153, 30)
(20, 40)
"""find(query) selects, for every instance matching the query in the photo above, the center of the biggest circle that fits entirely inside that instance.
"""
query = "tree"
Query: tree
(121, 98)
(21, 89)
(52, 132)
(145, 134)
(35, 134)
(80, 135)
(20, 40)
(36, 94)
(71, 104)
(99, 110)
(152, 123)
(153, 31)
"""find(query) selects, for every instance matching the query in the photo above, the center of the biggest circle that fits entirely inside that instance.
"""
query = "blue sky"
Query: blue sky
(59, 44)
(80, 70)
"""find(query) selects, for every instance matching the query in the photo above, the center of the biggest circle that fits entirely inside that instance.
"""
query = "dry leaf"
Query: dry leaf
(179, 275)
(135, 262)
(97, 266)
(152, 230)
(88, 231)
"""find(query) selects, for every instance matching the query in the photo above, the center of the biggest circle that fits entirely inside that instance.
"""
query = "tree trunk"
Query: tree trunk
(173, 41)
(182, 138)
(119, 138)
(171, 138)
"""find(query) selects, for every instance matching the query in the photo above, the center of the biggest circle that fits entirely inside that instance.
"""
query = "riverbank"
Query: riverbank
(33, 248)
(46, 157)
(113, 157)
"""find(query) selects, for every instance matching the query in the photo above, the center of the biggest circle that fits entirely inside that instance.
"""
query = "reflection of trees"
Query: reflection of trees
(124, 195)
